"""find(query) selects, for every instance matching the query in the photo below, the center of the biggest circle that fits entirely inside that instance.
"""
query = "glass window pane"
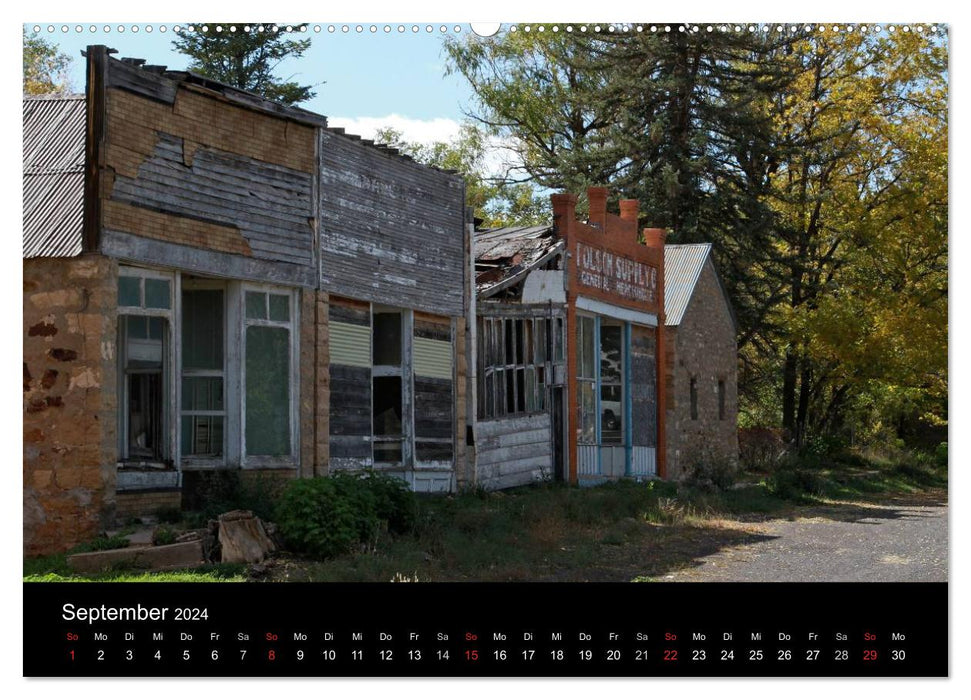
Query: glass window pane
(611, 354)
(387, 406)
(279, 307)
(558, 341)
(588, 413)
(256, 305)
(520, 341)
(267, 391)
(129, 291)
(142, 351)
(202, 329)
(202, 393)
(530, 389)
(387, 339)
(585, 347)
(611, 414)
(202, 436)
(158, 294)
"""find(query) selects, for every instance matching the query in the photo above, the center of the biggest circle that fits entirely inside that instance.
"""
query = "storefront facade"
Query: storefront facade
(614, 303)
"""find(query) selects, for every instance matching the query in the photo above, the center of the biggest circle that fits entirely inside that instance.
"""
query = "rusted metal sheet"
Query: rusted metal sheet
(53, 175)
(391, 231)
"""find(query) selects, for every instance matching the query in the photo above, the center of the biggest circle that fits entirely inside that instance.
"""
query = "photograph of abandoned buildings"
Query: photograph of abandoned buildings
(257, 346)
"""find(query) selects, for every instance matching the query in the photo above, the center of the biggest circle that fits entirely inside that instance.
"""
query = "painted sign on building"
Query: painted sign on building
(615, 274)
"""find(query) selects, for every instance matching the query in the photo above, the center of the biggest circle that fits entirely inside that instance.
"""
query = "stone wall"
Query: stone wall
(703, 347)
(136, 504)
(70, 421)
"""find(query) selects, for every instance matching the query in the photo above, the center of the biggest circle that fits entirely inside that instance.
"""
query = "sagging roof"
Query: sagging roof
(53, 183)
(504, 256)
(683, 264)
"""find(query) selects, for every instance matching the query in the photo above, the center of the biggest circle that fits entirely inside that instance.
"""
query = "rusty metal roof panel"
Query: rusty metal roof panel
(53, 176)
(682, 269)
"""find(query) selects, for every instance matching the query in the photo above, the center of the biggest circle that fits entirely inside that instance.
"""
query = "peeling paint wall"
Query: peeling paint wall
(69, 400)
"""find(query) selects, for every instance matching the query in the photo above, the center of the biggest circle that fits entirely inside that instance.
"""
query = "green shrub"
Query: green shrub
(395, 502)
(795, 483)
(316, 517)
(940, 454)
(327, 516)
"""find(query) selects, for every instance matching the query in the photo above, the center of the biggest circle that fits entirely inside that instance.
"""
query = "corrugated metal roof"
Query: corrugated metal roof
(53, 175)
(682, 268)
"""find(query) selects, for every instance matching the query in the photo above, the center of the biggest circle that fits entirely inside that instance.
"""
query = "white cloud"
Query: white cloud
(423, 131)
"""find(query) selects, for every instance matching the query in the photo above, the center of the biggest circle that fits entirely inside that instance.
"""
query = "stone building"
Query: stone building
(702, 361)
(215, 282)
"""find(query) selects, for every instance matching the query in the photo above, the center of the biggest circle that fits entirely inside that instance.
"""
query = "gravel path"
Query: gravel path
(901, 540)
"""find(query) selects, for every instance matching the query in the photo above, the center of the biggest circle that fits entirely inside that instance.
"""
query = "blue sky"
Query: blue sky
(364, 80)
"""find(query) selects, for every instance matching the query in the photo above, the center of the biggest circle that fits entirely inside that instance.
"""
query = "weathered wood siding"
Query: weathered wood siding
(391, 231)
(434, 395)
(194, 181)
(350, 396)
(513, 451)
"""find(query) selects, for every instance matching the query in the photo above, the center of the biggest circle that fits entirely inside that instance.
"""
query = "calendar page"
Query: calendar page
(550, 349)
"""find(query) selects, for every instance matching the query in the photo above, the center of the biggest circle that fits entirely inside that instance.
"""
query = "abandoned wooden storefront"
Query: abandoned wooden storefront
(567, 363)
(215, 282)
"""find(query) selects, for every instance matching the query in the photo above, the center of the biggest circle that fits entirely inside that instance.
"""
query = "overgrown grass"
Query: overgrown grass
(217, 573)
(618, 531)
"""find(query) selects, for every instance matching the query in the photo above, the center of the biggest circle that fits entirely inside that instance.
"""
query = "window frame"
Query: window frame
(169, 375)
(293, 377)
(401, 370)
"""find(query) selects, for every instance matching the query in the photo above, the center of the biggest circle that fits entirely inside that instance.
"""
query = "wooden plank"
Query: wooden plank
(141, 82)
(391, 231)
(128, 247)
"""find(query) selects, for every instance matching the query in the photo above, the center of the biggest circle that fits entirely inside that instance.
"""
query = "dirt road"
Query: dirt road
(898, 540)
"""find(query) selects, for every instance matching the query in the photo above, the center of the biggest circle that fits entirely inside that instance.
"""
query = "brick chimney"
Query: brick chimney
(629, 210)
(654, 237)
(597, 197)
(564, 213)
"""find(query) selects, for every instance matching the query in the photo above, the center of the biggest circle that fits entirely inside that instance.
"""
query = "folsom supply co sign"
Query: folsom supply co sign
(615, 274)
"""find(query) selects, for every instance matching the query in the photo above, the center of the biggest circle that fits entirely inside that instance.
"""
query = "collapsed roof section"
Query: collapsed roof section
(505, 256)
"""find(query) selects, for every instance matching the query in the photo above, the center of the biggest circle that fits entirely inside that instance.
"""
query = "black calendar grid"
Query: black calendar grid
(473, 629)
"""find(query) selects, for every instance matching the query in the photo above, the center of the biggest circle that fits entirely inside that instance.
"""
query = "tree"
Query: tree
(815, 162)
(247, 57)
(45, 67)
(490, 194)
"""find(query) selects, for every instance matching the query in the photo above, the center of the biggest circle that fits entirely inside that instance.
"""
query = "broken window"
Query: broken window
(387, 399)
(144, 303)
(587, 379)
(514, 365)
(143, 355)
